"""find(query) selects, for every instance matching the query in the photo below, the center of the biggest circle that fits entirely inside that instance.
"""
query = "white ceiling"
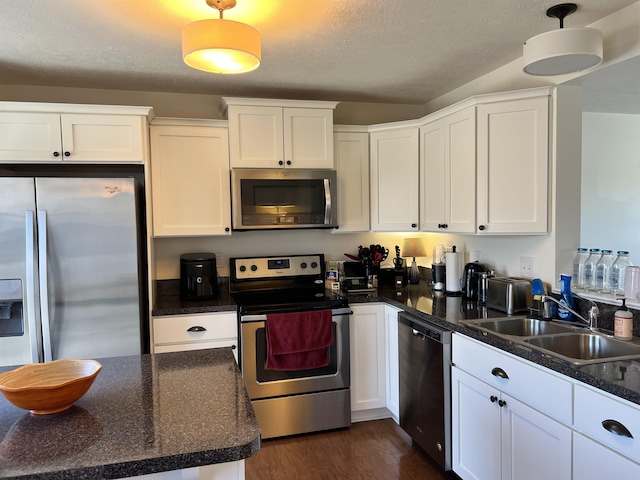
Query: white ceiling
(406, 51)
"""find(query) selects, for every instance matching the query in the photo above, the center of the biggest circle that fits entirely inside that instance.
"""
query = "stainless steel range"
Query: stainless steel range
(294, 344)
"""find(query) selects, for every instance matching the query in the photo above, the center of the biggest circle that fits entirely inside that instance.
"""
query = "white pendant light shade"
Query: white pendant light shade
(221, 46)
(562, 51)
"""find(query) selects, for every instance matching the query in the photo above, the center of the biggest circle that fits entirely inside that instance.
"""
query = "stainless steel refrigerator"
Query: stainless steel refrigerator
(69, 269)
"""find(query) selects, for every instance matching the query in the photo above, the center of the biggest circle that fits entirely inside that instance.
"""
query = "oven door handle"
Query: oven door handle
(244, 318)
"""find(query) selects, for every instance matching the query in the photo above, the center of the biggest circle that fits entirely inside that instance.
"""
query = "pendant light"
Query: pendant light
(221, 46)
(565, 50)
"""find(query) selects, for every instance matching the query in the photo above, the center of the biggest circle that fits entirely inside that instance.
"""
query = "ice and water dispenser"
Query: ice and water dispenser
(11, 311)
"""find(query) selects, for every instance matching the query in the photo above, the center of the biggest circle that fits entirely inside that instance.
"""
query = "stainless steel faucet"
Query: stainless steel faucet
(593, 311)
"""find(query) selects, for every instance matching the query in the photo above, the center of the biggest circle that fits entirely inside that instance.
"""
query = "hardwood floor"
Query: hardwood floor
(377, 449)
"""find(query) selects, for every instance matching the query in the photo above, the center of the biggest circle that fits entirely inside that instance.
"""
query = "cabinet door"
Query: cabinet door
(190, 181)
(393, 384)
(394, 180)
(528, 437)
(352, 165)
(513, 157)
(103, 138)
(256, 137)
(448, 173)
(30, 137)
(460, 141)
(476, 433)
(308, 138)
(592, 461)
(433, 178)
(368, 344)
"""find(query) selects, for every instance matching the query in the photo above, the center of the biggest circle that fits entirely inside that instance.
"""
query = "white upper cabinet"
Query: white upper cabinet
(60, 133)
(352, 165)
(394, 179)
(513, 165)
(190, 179)
(280, 133)
(448, 173)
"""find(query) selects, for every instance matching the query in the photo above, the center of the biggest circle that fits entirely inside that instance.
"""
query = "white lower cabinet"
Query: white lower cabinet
(178, 333)
(393, 377)
(593, 461)
(495, 434)
(612, 426)
(367, 334)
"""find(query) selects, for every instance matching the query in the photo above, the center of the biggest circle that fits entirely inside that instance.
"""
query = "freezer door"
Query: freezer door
(88, 254)
(17, 272)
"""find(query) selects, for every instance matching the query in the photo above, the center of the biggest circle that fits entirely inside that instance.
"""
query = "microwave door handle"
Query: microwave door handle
(327, 202)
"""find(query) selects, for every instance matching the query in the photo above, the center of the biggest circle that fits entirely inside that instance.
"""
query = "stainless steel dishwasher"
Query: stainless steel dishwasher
(425, 385)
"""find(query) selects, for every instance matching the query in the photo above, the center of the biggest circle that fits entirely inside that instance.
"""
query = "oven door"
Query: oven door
(262, 383)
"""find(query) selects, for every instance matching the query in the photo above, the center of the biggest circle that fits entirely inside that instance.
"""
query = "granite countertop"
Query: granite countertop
(143, 414)
(618, 378)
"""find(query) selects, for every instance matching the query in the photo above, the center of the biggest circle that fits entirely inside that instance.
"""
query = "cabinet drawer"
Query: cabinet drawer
(591, 408)
(176, 328)
(527, 382)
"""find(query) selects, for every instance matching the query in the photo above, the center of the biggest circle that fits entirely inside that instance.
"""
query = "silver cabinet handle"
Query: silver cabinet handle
(617, 428)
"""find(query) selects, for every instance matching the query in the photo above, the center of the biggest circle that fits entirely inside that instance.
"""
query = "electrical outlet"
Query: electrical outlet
(219, 260)
(478, 255)
(526, 267)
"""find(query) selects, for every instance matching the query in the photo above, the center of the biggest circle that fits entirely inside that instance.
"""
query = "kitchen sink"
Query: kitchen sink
(585, 347)
(521, 326)
(572, 343)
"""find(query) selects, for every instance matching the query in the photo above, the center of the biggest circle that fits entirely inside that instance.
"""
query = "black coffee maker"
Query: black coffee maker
(470, 279)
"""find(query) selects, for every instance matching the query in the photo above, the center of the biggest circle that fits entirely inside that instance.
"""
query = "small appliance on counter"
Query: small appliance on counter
(438, 268)
(470, 280)
(509, 295)
(399, 269)
(198, 276)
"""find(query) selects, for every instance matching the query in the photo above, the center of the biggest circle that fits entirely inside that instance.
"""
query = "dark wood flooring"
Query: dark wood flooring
(378, 449)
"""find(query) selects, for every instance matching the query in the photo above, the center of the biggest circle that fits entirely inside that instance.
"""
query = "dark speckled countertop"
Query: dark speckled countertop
(619, 378)
(143, 414)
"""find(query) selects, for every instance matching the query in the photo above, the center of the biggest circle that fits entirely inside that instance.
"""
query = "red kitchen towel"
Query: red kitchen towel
(298, 340)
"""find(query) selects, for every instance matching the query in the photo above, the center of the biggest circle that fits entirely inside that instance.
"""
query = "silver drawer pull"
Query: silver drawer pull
(616, 427)
(196, 328)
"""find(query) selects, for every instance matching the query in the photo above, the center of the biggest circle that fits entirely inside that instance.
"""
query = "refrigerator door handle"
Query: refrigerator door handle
(44, 285)
(29, 223)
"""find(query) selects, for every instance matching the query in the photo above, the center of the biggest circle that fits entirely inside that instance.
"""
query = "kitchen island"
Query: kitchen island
(184, 414)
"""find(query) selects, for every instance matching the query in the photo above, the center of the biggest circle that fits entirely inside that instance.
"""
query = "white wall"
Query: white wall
(610, 216)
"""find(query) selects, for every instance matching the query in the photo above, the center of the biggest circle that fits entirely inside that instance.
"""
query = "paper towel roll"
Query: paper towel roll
(453, 266)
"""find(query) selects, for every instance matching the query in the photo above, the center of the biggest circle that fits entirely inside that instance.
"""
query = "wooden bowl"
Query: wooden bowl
(50, 387)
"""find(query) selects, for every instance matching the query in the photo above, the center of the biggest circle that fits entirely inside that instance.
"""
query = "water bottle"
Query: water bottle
(566, 298)
(590, 268)
(578, 267)
(618, 271)
(603, 272)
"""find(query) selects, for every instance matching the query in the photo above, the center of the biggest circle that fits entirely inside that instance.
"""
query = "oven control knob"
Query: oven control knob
(303, 265)
(242, 268)
(314, 265)
(254, 268)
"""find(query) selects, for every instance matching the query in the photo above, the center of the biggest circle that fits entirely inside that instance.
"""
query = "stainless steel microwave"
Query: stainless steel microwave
(263, 199)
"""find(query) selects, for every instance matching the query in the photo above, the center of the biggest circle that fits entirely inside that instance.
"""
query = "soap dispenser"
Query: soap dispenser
(623, 323)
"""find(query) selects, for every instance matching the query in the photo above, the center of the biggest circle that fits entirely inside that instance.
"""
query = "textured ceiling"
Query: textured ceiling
(407, 51)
